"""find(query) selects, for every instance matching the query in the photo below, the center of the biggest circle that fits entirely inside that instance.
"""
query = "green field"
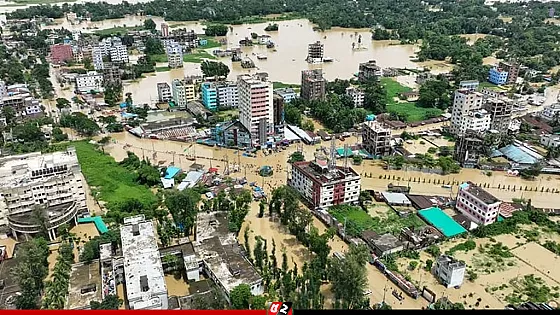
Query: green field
(198, 56)
(357, 220)
(281, 85)
(212, 43)
(162, 69)
(111, 182)
(408, 109)
(492, 86)
(158, 58)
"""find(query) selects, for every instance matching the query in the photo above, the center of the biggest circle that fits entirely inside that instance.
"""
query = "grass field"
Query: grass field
(111, 182)
(281, 85)
(162, 69)
(197, 57)
(358, 220)
(407, 109)
(212, 43)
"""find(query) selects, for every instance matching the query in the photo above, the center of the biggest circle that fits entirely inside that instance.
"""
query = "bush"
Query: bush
(412, 265)
(432, 150)
(472, 276)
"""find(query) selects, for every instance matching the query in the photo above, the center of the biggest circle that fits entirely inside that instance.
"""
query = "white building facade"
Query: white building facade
(450, 272)
(357, 95)
(478, 120)
(89, 81)
(228, 95)
(256, 104)
(464, 102)
(174, 55)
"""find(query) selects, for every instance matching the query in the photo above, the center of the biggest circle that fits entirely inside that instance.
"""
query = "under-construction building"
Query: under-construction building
(500, 114)
(315, 52)
(369, 70)
(312, 85)
(512, 68)
(376, 138)
(468, 149)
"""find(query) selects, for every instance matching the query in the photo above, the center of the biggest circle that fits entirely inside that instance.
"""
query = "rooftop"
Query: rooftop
(441, 221)
(383, 242)
(142, 263)
(450, 262)
(219, 250)
(85, 285)
(479, 193)
(324, 175)
(376, 126)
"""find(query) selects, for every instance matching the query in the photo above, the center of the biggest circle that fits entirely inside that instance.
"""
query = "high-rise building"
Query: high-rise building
(376, 138)
(476, 120)
(89, 81)
(111, 72)
(228, 95)
(468, 149)
(512, 69)
(357, 94)
(315, 52)
(209, 93)
(97, 58)
(500, 114)
(256, 104)
(164, 92)
(312, 85)
(50, 183)
(464, 102)
(174, 55)
(61, 53)
(164, 30)
(477, 204)
(183, 92)
(369, 70)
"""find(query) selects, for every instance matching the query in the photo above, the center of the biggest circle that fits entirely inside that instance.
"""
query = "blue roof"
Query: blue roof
(518, 155)
(441, 221)
(171, 172)
(98, 221)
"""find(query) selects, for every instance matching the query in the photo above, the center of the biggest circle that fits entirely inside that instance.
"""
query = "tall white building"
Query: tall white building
(357, 94)
(450, 271)
(112, 48)
(477, 120)
(143, 271)
(50, 182)
(97, 58)
(119, 54)
(164, 92)
(464, 102)
(174, 55)
(550, 112)
(89, 81)
(256, 111)
(228, 95)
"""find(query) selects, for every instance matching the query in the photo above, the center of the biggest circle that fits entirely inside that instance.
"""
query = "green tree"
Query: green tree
(240, 297)
(62, 103)
(153, 46)
(9, 113)
(214, 69)
(292, 115)
(308, 125)
(110, 302)
(258, 302)
(216, 30)
(30, 272)
(296, 157)
(149, 24)
(348, 277)
(183, 206)
(434, 93)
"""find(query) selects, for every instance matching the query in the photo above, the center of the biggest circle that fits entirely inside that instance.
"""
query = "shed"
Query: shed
(396, 199)
(171, 172)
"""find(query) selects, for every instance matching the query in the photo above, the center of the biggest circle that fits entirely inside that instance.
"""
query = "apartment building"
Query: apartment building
(49, 182)
(476, 120)
(144, 277)
(512, 68)
(164, 30)
(119, 54)
(357, 95)
(498, 76)
(61, 53)
(23, 104)
(471, 85)
(174, 55)
(312, 85)
(477, 204)
(256, 105)
(464, 102)
(288, 94)
(548, 140)
(3, 89)
(550, 112)
(468, 149)
(89, 81)
(111, 72)
(228, 95)
(164, 92)
(97, 58)
(323, 185)
(376, 138)
(315, 52)
(449, 271)
(183, 91)
(209, 93)
(500, 114)
(369, 70)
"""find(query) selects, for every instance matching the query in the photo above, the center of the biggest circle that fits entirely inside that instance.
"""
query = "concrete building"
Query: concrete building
(89, 81)
(97, 58)
(145, 280)
(278, 104)
(164, 30)
(471, 85)
(512, 68)
(500, 113)
(357, 94)
(222, 257)
(369, 70)
(232, 134)
(476, 120)
(209, 93)
(256, 105)
(549, 113)
(312, 85)
(23, 103)
(477, 204)
(228, 95)
(3, 89)
(61, 53)
(376, 138)
(325, 185)
(287, 94)
(174, 55)
(50, 182)
(183, 91)
(549, 140)
(164, 92)
(119, 54)
(315, 52)
(450, 271)
(464, 102)
(498, 76)
(468, 149)
(382, 245)
(111, 72)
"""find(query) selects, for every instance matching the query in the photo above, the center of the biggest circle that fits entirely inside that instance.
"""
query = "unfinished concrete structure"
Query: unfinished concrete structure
(369, 70)
(315, 52)
(468, 149)
(376, 138)
(312, 85)
(500, 114)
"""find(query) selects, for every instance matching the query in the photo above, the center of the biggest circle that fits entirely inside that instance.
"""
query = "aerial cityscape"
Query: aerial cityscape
(225, 155)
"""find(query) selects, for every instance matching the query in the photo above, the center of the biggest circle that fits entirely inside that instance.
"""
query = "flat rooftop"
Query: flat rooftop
(479, 193)
(323, 174)
(221, 253)
(85, 285)
(142, 263)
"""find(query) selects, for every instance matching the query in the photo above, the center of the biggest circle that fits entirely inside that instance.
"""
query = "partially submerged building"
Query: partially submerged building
(477, 204)
(84, 286)
(450, 271)
(382, 245)
(376, 138)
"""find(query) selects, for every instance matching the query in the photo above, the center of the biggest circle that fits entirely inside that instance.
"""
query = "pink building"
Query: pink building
(477, 204)
(256, 110)
(164, 30)
(61, 53)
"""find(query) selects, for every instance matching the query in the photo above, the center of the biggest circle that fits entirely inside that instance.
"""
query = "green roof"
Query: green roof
(341, 152)
(441, 221)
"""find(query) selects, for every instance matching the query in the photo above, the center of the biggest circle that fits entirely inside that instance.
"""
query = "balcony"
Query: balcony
(58, 215)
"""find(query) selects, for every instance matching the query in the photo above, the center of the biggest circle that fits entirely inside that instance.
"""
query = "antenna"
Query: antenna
(346, 156)
(332, 161)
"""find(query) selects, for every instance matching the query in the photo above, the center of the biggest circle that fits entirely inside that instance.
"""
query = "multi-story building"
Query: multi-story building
(550, 141)
(312, 85)
(477, 204)
(468, 149)
(357, 94)
(3, 89)
(512, 68)
(183, 92)
(144, 277)
(164, 30)
(97, 58)
(209, 93)
(119, 54)
(278, 105)
(500, 114)
(498, 76)
(477, 120)
(174, 55)
(376, 138)
(287, 94)
(471, 85)
(111, 72)
(33, 184)
(464, 102)
(89, 81)
(256, 105)
(369, 70)
(232, 134)
(551, 112)
(451, 272)
(61, 53)
(164, 92)
(323, 185)
(23, 104)
(315, 52)
(228, 95)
